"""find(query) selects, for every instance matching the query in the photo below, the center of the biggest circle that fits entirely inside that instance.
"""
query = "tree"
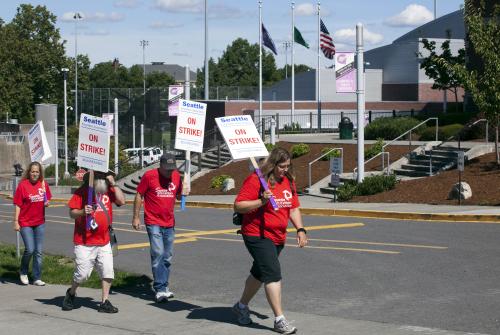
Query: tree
(105, 75)
(31, 57)
(159, 79)
(483, 80)
(444, 79)
(239, 66)
(287, 72)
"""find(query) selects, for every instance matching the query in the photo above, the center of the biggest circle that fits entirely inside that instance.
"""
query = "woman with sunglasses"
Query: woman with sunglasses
(264, 233)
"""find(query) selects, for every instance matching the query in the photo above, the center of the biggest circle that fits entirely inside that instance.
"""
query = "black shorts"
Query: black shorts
(266, 266)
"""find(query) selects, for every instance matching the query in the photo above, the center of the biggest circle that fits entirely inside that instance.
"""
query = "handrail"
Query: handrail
(483, 120)
(397, 138)
(317, 159)
(380, 153)
(418, 125)
(466, 126)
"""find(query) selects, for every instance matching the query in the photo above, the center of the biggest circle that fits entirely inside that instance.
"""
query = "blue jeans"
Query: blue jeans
(33, 245)
(161, 242)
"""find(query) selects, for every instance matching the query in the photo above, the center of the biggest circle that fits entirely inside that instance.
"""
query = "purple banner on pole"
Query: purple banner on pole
(345, 72)
(175, 92)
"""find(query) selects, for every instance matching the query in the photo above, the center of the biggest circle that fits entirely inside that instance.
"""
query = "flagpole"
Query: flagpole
(318, 70)
(293, 62)
(260, 68)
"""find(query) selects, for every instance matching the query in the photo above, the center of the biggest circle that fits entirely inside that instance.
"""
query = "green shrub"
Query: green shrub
(334, 153)
(444, 132)
(294, 126)
(346, 191)
(375, 149)
(390, 128)
(447, 118)
(370, 185)
(270, 146)
(376, 184)
(217, 181)
(299, 150)
(50, 171)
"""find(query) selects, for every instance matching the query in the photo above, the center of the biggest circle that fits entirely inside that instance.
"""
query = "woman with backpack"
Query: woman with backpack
(264, 233)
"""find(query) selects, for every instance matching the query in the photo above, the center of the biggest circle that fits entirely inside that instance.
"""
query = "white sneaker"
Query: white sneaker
(284, 327)
(24, 279)
(39, 282)
(161, 296)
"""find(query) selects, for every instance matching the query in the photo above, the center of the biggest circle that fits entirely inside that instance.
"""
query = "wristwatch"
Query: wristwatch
(302, 230)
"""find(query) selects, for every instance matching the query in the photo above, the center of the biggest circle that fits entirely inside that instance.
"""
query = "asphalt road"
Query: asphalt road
(427, 274)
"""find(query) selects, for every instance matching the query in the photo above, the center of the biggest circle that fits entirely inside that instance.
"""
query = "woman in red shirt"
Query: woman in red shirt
(264, 233)
(31, 197)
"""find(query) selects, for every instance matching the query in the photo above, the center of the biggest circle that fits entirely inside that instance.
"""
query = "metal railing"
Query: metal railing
(396, 139)
(9, 138)
(383, 153)
(486, 130)
(317, 159)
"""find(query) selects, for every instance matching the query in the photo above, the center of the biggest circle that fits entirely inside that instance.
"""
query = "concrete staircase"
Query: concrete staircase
(429, 162)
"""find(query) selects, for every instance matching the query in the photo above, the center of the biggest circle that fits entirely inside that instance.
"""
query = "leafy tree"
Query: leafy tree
(483, 80)
(239, 66)
(287, 72)
(200, 74)
(104, 75)
(159, 79)
(31, 57)
(444, 79)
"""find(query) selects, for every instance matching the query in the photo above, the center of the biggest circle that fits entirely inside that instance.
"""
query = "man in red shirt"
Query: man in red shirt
(92, 243)
(159, 188)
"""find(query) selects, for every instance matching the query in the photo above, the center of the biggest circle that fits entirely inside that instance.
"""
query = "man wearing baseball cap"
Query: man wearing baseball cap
(159, 188)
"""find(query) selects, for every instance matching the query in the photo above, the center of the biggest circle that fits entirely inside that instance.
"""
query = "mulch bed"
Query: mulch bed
(240, 170)
(482, 174)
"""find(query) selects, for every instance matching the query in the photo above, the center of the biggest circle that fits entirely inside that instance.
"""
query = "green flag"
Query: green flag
(297, 37)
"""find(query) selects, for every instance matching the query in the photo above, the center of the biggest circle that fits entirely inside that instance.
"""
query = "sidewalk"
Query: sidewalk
(31, 309)
(311, 205)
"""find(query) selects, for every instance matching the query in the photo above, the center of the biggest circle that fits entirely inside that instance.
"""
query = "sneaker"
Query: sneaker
(163, 296)
(242, 314)
(284, 327)
(69, 301)
(24, 279)
(107, 307)
(39, 282)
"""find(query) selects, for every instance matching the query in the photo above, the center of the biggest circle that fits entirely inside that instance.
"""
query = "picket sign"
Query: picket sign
(189, 136)
(244, 141)
(93, 152)
(39, 148)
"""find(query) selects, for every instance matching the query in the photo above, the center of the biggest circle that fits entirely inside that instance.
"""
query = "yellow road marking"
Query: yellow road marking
(375, 251)
(146, 245)
(51, 205)
(379, 243)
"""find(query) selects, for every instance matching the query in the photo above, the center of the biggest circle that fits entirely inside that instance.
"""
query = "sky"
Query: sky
(175, 28)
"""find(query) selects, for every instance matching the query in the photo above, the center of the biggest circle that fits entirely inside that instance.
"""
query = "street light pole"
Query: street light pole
(65, 77)
(144, 44)
(77, 17)
(207, 94)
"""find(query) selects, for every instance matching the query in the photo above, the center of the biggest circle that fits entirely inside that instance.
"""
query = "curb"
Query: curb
(444, 217)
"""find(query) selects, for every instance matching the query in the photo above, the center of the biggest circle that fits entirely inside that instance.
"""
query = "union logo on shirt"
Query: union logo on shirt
(285, 201)
(37, 197)
(166, 193)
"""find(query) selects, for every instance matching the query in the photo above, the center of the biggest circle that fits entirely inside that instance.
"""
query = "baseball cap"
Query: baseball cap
(167, 161)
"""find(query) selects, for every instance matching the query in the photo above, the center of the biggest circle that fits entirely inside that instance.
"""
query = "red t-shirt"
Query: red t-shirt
(99, 236)
(30, 198)
(159, 195)
(275, 222)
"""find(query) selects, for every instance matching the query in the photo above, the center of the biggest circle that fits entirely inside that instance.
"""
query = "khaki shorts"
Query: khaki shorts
(86, 257)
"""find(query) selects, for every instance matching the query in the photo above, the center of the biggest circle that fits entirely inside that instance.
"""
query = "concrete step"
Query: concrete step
(424, 168)
(426, 162)
(444, 159)
(411, 173)
(442, 153)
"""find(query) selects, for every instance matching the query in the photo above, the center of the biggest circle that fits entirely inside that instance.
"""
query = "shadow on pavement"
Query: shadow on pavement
(225, 315)
(79, 302)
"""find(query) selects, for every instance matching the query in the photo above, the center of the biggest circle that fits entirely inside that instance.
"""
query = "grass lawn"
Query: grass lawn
(59, 270)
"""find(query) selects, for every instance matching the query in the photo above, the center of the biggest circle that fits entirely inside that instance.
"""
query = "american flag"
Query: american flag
(326, 44)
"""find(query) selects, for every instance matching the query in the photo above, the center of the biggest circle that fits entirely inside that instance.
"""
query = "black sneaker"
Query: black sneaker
(69, 301)
(107, 307)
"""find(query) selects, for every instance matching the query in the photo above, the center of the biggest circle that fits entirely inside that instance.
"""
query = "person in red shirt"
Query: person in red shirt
(264, 233)
(30, 199)
(92, 242)
(159, 188)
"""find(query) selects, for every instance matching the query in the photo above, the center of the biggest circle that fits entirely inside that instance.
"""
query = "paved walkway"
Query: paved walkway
(37, 310)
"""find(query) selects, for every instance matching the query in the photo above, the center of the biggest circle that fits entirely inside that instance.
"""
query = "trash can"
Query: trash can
(345, 128)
